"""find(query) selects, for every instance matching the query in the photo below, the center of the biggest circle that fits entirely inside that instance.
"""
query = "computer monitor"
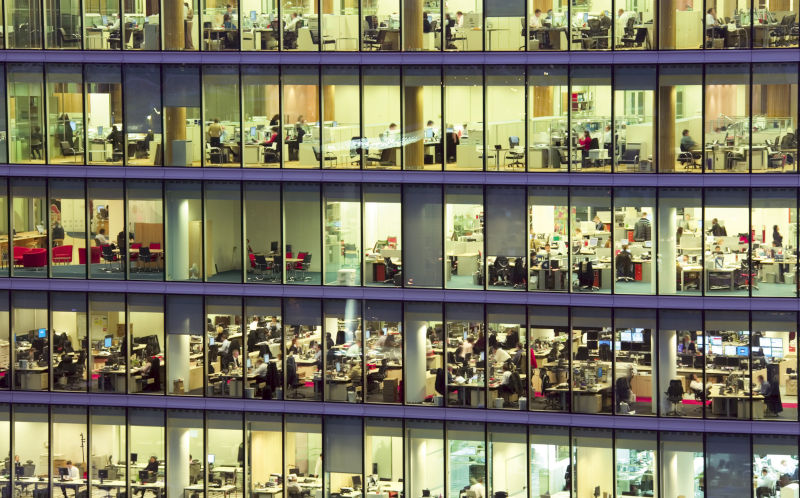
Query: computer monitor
(134, 457)
(211, 458)
(764, 342)
(210, 341)
(599, 372)
(253, 15)
(776, 343)
(607, 343)
(356, 482)
(104, 20)
(716, 340)
(253, 132)
(637, 337)
(742, 350)
(249, 363)
(338, 367)
(730, 350)
(716, 350)
(266, 358)
(429, 133)
(591, 345)
(19, 471)
(699, 340)
(63, 472)
(42, 333)
(777, 352)
(107, 341)
(273, 246)
(766, 350)
(625, 336)
(73, 125)
(593, 242)
(513, 141)
(143, 475)
(102, 474)
(618, 345)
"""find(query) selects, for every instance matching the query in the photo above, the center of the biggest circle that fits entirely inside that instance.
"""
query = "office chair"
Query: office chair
(393, 273)
(377, 42)
(690, 159)
(304, 265)
(748, 274)
(675, 395)
(275, 268)
(630, 156)
(502, 269)
(65, 40)
(586, 275)
(213, 154)
(624, 265)
(622, 390)
(144, 257)
(260, 263)
(329, 156)
(108, 256)
(517, 158)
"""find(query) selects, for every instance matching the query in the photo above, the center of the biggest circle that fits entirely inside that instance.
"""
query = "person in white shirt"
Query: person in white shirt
(765, 483)
(254, 323)
(501, 356)
(292, 24)
(696, 384)
(72, 475)
(478, 488)
(624, 16)
(714, 24)
(101, 238)
(261, 369)
(354, 349)
(459, 19)
(536, 19)
(226, 344)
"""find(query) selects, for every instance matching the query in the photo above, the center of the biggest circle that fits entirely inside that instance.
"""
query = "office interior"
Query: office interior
(733, 242)
(352, 456)
(583, 118)
(546, 358)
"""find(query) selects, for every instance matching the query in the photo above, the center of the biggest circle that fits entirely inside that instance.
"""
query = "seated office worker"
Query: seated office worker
(687, 142)
(72, 475)
(152, 472)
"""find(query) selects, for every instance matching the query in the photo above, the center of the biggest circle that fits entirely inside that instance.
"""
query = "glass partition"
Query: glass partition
(424, 133)
(382, 226)
(68, 230)
(591, 243)
(681, 373)
(466, 464)
(185, 326)
(505, 117)
(424, 375)
(505, 238)
(727, 118)
(772, 363)
(145, 219)
(65, 456)
(222, 241)
(108, 359)
(108, 438)
(344, 455)
(548, 128)
(774, 146)
(550, 465)
(548, 245)
(681, 239)
(727, 238)
(726, 371)
(103, 100)
(301, 106)
(106, 213)
(184, 430)
(547, 26)
(302, 232)
(26, 111)
(263, 441)
(635, 459)
(463, 111)
(681, 464)
(148, 455)
(380, 117)
(31, 341)
(303, 451)
(424, 458)
(65, 128)
(595, 387)
(62, 25)
(224, 348)
(146, 329)
(467, 370)
(728, 468)
(262, 143)
(184, 230)
(225, 450)
(341, 121)
(422, 210)
(634, 226)
(507, 379)
(23, 24)
(181, 113)
(383, 455)
(263, 262)
(264, 360)
(631, 140)
(143, 119)
(591, 448)
(221, 116)
(464, 229)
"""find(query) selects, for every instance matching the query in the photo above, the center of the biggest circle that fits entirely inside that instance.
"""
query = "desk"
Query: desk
(156, 488)
(32, 378)
(467, 262)
(542, 276)
(268, 492)
(215, 38)
(722, 404)
(116, 379)
(225, 490)
(689, 269)
(729, 273)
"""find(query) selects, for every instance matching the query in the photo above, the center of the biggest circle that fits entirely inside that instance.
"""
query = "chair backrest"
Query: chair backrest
(108, 250)
(513, 141)
(144, 252)
(641, 35)
(594, 144)
(307, 259)
(259, 259)
(155, 245)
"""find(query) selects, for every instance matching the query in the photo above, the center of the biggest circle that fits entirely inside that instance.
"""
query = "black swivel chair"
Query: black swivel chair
(393, 273)
(502, 269)
(517, 158)
(631, 156)
(690, 159)
(674, 395)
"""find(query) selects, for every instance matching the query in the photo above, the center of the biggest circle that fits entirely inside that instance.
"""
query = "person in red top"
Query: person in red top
(585, 142)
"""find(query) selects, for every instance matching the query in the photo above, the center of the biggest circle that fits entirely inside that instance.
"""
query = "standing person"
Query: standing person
(36, 143)
(585, 143)
(777, 238)
(188, 16)
(214, 133)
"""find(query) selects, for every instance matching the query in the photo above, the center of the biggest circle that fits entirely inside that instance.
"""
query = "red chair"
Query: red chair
(62, 254)
(95, 252)
(157, 257)
(134, 253)
(35, 258)
(19, 252)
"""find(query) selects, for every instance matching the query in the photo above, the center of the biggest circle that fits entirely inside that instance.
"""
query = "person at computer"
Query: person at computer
(274, 137)
(293, 22)
(115, 139)
(260, 372)
(227, 22)
(152, 471)
(459, 19)
(478, 488)
(598, 225)
(536, 19)
(226, 344)
(214, 133)
(696, 385)
(585, 143)
(687, 142)
(546, 258)
(765, 483)
(714, 24)
(577, 240)
(293, 348)
(762, 385)
(354, 349)
(500, 356)
(101, 239)
(717, 230)
(72, 475)
(687, 346)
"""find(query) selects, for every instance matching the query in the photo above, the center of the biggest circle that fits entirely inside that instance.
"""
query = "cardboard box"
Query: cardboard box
(390, 390)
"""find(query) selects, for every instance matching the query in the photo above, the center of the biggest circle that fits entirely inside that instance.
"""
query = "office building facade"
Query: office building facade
(513, 248)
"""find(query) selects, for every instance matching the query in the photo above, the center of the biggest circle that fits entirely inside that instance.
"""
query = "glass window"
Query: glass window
(548, 89)
(423, 131)
(633, 348)
(264, 360)
(592, 459)
(69, 342)
(548, 245)
(590, 117)
(680, 239)
(503, 21)
(108, 438)
(5, 341)
(774, 463)
(181, 27)
(106, 215)
(773, 214)
(31, 341)
(463, 133)
(104, 137)
(26, 110)
(508, 377)
(593, 382)
(774, 395)
(680, 464)
(302, 232)
(5, 247)
(264, 442)
(633, 26)
(466, 465)
(145, 230)
(729, 470)
(341, 120)
(726, 240)
(383, 351)
(422, 212)
(302, 337)
(141, 27)
(505, 238)
(339, 26)
(185, 434)
(220, 26)
(101, 26)
(262, 225)
(505, 115)
(681, 363)
(301, 107)
(146, 326)
(383, 454)
(303, 450)
(726, 371)
(549, 345)
(547, 25)
(424, 327)
(108, 359)
(590, 219)
(635, 462)
(29, 225)
(184, 135)
(300, 26)
(31, 430)
(728, 26)
(24, 24)
(775, 16)
(343, 351)
(634, 225)
(464, 228)
(680, 25)
(184, 229)
(380, 28)
(631, 140)
(344, 455)
(65, 130)
(342, 229)
(680, 117)
(221, 115)
(3, 112)
(185, 345)
(142, 94)
(467, 369)
(66, 457)
(223, 231)
(550, 467)
(225, 450)
(380, 93)
(224, 332)
(382, 223)
(424, 458)
(774, 122)
(591, 24)
(727, 114)
(147, 448)
(261, 112)
(62, 25)
(68, 230)
(260, 30)
(463, 28)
